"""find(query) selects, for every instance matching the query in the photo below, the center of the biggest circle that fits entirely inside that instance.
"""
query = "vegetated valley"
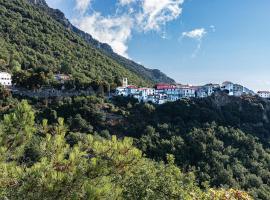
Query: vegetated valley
(95, 147)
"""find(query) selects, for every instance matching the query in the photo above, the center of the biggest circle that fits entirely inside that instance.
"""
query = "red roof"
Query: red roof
(162, 86)
(131, 87)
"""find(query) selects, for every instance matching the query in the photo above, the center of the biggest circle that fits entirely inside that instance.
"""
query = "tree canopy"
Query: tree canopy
(37, 162)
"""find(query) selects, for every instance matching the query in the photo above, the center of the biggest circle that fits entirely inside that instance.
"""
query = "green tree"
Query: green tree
(18, 128)
(92, 168)
(15, 66)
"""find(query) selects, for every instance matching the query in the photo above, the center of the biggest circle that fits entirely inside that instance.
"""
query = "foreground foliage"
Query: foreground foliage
(36, 162)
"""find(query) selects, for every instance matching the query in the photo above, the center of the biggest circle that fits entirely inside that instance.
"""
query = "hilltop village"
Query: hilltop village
(162, 93)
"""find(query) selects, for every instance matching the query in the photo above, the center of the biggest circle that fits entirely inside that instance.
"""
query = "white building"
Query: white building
(131, 90)
(121, 91)
(176, 92)
(126, 90)
(248, 91)
(211, 88)
(201, 92)
(238, 90)
(164, 88)
(5, 79)
(143, 94)
(228, 86)
(62, 77)
(187, 92)
(264, 94)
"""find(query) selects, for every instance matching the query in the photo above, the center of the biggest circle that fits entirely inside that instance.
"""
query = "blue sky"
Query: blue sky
(192, 41)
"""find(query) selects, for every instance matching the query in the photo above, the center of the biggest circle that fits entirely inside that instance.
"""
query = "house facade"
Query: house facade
(238, 90)
(228, 86)
(264, 94)
(62, 77)
(163, 92)
(5, 79)
(187, 92)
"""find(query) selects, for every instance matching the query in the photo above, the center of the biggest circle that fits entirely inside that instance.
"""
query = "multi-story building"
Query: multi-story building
(238, 90)
(5, 79)
(187, 92)
(227, 86)
(264, 94)
(143, 94)
(166, 88)
(201, 92)
(248, 91)
(211, 88)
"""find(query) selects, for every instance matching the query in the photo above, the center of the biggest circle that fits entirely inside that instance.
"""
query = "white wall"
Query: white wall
(5, 79)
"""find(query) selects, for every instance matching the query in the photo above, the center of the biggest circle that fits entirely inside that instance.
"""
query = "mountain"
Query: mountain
(150, 74)
(33, 35)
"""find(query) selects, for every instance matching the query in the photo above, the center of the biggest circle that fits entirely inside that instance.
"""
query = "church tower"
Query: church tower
(125, 82)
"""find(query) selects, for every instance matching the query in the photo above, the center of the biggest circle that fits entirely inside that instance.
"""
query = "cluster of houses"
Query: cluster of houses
(163, 93)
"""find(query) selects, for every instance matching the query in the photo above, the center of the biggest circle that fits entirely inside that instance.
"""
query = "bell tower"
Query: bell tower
(125, 82)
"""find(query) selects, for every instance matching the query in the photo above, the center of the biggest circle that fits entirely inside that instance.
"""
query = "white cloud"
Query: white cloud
(126, 2)
(130, 15)
(197, 34)
(82, 5)
(112, 30)
(156, 13)
(213, 28)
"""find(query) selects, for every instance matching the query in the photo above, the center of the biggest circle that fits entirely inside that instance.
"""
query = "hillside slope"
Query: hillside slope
(31, 38)
(225, 139)
(153, 75)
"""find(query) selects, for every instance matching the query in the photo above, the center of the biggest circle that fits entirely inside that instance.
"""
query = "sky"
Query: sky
(192, 41)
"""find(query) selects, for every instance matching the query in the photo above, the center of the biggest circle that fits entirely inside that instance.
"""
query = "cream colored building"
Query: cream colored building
(5, 79)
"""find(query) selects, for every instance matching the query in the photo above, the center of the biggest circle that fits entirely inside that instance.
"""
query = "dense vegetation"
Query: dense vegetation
(224, 139)
(30, 38)
(37, 161)
(219, 153)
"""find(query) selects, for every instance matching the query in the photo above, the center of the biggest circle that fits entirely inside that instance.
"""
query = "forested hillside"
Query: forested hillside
(216, 138)
(224, 139)
(149, 74)
(29, 38)
(43, 161)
